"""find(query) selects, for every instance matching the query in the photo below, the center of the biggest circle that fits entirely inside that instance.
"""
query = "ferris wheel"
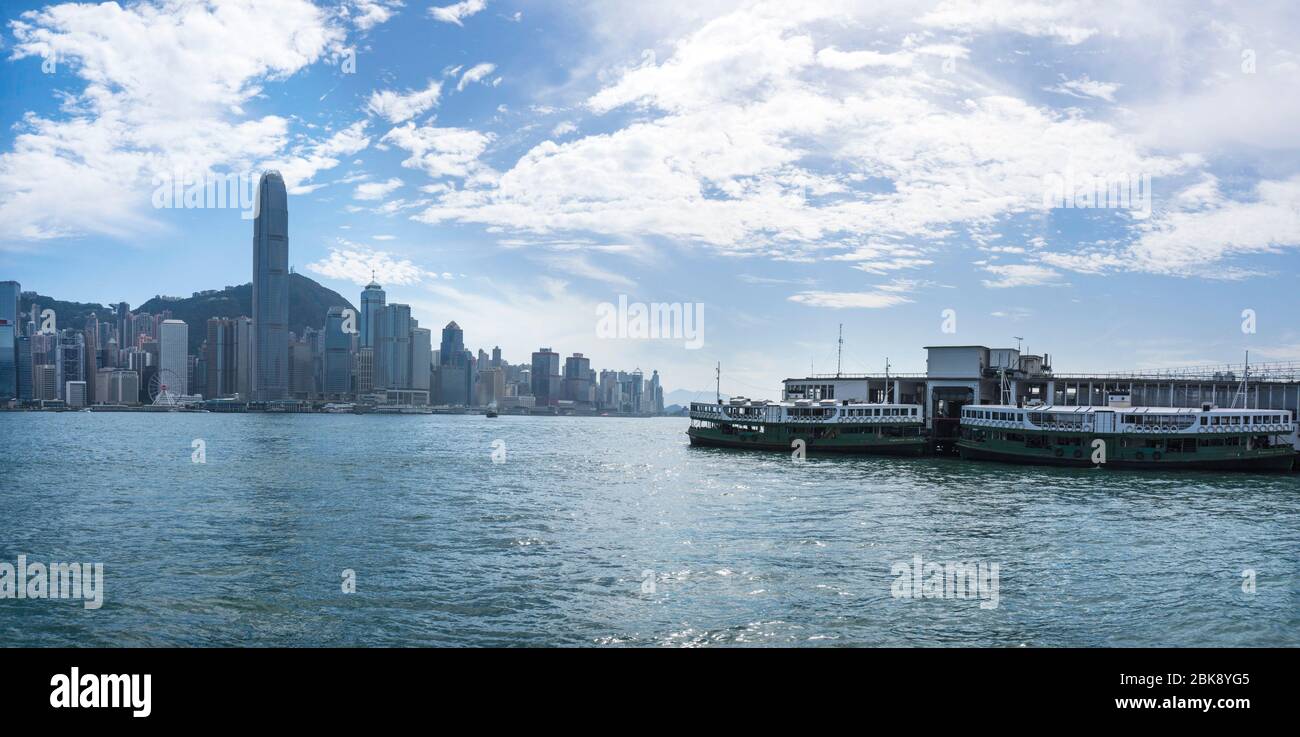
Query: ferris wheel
(159, 387)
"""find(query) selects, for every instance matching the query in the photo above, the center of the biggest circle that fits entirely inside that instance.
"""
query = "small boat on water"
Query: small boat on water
(823, 426)
(1167, 438)
(490, 413)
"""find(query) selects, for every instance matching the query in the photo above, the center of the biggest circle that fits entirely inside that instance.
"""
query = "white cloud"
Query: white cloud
(849, 300)
(301, 163)
(165, 105)
(738, 124)
(1020, 275)
(1059, 20)
(366, 14)
(376, 190)
(355, 263)
(398, 108)
(564, 128)
(1085, 87)
(833, 58)
(474, 74)
(440, 152)
(457, 12)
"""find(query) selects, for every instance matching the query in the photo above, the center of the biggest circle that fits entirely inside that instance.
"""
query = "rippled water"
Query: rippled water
(549, 547)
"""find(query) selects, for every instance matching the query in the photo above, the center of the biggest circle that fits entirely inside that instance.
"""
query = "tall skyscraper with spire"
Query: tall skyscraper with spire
(271, 290)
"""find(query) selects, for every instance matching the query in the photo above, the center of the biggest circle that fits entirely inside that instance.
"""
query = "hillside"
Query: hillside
(308, 303)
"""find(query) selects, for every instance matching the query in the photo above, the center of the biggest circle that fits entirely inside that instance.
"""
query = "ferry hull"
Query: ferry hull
(894, 447)
(1262, 463)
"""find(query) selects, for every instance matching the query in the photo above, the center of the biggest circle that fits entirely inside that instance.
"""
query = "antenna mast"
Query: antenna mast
(718, 375)
(887, 390)
(839, 353)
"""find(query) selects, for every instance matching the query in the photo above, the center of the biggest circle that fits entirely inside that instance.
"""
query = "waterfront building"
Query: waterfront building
(338, 361)
(577, 385)
(455, 377)
(302, 380)
(10, 301)
(219, 358)
(24, 368)
(393, 359)
(421, 358)
(45, 382)
(9, 373)
(546, 378)
(173, 356)
(656, 394)
(74, 393)
(243, 380)
(117, 386)
(70, 359)
(271, 290)
(365, 370)
(491, 386)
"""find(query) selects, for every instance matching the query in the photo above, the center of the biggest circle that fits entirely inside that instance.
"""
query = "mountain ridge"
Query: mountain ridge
(308, 303)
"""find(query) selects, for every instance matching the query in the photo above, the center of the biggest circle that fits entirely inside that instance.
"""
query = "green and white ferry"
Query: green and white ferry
(824, 426)
(1207, 437)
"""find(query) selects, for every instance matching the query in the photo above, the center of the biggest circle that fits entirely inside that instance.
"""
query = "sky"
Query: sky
(900, 169)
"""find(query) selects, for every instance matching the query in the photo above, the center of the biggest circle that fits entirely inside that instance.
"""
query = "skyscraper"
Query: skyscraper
(577, 379)
(271, 290)
(219, 357)
(338, 362)
(8, 360)
(10, 292)
(546, 376)
(455, 381)
(373, 300)
(393, 357)
(243, 384)
(173, 352)
(69, 359)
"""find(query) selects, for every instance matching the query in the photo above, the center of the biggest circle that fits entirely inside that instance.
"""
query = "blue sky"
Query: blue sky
(510, 165)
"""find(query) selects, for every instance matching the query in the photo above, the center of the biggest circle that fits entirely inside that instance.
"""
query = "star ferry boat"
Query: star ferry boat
(1130, 437)
(824, 426)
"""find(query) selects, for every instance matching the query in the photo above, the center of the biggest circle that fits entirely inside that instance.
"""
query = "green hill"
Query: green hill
(308, 303)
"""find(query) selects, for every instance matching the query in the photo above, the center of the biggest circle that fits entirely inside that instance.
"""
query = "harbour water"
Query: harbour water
(605, 531)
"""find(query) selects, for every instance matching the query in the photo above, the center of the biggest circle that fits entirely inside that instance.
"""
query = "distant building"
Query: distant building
(455, 377)
(24, 368)
(70, 359)
(220, 359)
(173, 353)
(337, 361)
(546, 377)
(9, 374)
(74, 393)
(45, 382)
(117, 386)
(421, 358)
(577, 386)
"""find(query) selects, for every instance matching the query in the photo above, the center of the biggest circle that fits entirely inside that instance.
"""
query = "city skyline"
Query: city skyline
(379, 357)
(516, 168)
